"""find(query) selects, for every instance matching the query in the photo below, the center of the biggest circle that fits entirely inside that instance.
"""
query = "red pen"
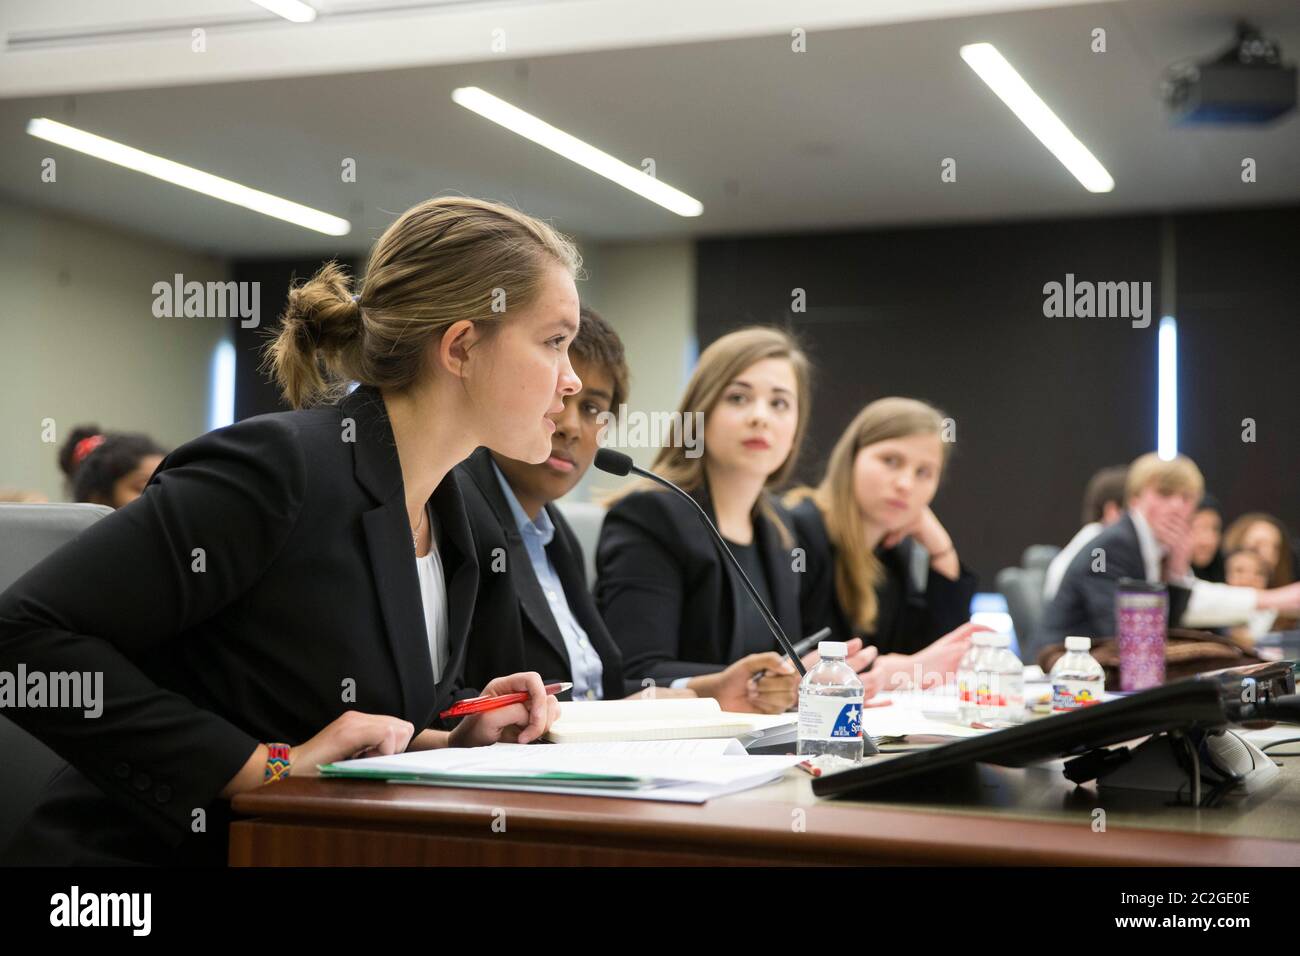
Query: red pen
(477, 705)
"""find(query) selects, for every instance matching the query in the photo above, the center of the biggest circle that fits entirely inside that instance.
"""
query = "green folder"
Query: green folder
(549, 779)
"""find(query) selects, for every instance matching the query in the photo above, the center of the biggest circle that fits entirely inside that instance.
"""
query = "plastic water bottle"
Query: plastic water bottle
(967, 675)
(1000, 684)
(830, 706)
(1077, 679)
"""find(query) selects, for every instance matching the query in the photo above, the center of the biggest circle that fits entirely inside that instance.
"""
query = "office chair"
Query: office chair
(585, 518)
(28, 533)
(1023, 589)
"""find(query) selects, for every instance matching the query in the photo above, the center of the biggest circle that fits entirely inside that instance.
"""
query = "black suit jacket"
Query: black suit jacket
(262, 585)
(921, 616)
(513, 628)
(670, 599)
(1085, 602)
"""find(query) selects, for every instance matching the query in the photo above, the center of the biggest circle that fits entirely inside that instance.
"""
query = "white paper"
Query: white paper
(707, 761)
(583, 711)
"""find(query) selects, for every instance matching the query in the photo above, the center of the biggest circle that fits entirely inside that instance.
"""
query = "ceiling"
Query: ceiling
(850, 133)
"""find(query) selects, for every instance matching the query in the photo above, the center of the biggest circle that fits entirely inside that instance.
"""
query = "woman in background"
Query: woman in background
(1207, 538)
(108, 468)
(861, 527)
(1267, 537)
(671, 600)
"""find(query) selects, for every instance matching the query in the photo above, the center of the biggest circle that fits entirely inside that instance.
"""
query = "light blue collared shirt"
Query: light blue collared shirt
(587, 672)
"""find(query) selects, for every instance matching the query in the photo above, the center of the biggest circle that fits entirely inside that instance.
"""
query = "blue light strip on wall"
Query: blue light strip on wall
(1167, 390)
(221, 401)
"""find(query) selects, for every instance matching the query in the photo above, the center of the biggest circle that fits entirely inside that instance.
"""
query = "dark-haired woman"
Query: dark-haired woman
(296, 589)
(108, 468)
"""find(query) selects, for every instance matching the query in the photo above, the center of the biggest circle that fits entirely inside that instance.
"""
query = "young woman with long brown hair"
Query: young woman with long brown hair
(668, 596)
(862, 525)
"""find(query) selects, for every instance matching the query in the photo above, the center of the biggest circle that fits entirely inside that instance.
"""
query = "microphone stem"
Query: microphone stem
(768, 617)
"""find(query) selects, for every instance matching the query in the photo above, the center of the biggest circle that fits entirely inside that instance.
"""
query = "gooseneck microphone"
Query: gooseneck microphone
(616, 463)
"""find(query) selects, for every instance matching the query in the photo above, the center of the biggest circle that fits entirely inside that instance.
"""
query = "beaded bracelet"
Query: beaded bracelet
(277, 763)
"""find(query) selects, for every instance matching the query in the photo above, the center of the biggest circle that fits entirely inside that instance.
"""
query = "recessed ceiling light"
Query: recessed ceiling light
(1002, 78)
(187, 176)
(570, 147)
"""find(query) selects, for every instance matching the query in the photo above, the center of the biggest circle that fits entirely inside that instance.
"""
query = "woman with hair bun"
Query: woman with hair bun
(296, 589)
(108, 468)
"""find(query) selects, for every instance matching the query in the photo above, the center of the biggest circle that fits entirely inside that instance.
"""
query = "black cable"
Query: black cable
(1278, 743)
(768, 617)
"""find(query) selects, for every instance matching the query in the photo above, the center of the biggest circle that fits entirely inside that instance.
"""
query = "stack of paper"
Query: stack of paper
(689, 771)
(915, 714)
(611, 720)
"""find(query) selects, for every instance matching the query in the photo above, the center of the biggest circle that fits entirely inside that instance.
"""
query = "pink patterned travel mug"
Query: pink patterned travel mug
(1141, 620)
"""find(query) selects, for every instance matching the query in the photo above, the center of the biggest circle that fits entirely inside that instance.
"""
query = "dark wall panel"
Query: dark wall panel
(955, 316)
(1239, 340)
(254, 392)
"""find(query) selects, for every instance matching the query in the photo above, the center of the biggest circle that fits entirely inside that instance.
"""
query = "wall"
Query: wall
(646, 291)
(955, 316)
(79, 342)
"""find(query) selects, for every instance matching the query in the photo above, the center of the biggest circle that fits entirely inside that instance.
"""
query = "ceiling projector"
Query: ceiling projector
(1247, 83)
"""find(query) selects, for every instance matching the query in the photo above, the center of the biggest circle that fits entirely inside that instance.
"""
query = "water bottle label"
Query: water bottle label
(994, 690)
(829, 718)
(965, 689)
(1073, 694)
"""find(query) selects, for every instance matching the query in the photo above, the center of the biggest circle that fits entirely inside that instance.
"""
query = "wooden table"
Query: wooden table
(987, 815)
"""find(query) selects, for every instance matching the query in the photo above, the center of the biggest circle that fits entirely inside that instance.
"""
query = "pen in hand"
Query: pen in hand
(477, 705)
(809, 643)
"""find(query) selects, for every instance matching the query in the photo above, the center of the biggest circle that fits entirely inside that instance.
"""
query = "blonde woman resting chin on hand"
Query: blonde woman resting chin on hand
(861, 527)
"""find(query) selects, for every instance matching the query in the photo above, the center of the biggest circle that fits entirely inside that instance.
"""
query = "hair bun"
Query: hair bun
(321, 326)
(322, 313)
(67, 452)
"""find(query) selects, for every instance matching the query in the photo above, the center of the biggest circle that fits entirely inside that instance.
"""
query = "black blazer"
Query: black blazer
(308, 588)
(921, 616)
(670, 599)
(513, 628)
(1085, 602)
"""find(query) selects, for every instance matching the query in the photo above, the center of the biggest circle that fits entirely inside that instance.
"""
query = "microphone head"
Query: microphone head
(614, 462)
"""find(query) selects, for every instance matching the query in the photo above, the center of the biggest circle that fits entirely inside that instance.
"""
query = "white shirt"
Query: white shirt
(1209, 604)
(433, 594)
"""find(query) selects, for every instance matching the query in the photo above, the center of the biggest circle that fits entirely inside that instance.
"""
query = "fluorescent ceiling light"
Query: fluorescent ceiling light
(294, 10)
(1002, 78)
(187, 176)
(572, 148)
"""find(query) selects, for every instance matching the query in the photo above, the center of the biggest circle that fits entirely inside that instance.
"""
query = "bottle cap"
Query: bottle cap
(1078, 643)
(998, 639)
(832, 649)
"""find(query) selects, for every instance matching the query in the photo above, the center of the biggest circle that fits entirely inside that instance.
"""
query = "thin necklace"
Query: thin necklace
(415, 534)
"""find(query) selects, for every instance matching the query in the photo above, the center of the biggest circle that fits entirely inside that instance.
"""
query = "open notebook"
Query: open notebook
(587, 721)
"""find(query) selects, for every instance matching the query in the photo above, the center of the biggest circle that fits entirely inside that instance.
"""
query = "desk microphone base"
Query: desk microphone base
(1163, 764)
